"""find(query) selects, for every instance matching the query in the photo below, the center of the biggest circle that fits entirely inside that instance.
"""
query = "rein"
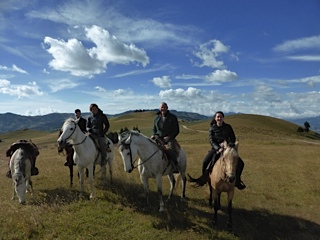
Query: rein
(128, 146)
(75, 144)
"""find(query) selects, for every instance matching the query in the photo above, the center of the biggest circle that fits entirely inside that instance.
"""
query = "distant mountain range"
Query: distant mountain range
(10, 122)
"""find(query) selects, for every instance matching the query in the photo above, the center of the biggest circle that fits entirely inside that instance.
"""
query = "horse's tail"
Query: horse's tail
(199, 182)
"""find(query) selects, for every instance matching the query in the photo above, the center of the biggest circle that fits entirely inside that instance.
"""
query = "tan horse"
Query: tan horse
(222, 178)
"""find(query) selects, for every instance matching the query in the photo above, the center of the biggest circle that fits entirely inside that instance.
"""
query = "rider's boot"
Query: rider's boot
(239, 184)
(34, 169)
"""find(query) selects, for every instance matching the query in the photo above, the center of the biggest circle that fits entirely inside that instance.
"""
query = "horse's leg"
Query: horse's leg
(104, 176)
(183, 182)
(71, 174)
(215, 206)
(110, 171)
(159, 187)
(144, 180)
(81, 179)
(230, 197)
(210, 194)
(90, 169)
(14, 195)
(172, 184)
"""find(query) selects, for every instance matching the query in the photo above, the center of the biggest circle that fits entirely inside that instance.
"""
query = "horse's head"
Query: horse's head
(230, 160)
(20, 186)
(67, 132)
(127, 150)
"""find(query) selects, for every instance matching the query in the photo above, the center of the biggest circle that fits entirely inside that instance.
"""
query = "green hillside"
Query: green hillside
(281, 200)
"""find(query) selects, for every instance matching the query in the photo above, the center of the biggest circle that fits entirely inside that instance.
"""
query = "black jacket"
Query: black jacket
(82, 124)
(98, 124)
(218, 134)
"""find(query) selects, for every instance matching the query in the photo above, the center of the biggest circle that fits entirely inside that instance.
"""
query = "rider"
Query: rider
(34, 152)
(218, 132)
(166, 126)
(98, 125)
(82, 123)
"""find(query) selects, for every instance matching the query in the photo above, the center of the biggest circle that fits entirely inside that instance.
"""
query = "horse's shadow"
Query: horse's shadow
(247, 224)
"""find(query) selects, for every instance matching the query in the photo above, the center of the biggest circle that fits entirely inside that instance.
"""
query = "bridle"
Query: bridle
(128, 146)
(224, 166)
(74, 129)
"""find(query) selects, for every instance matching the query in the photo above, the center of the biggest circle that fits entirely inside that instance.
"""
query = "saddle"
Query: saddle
(26, 145)
(165, 147)
(96, 142)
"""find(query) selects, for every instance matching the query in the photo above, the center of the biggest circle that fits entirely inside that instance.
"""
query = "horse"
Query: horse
(152, 162)
(20, 166)
(86, 154)
(222, 179)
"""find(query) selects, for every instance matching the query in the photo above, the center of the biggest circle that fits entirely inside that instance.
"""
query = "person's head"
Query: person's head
(217, 118)
(163, 107)
(77, 113)
(94, 108)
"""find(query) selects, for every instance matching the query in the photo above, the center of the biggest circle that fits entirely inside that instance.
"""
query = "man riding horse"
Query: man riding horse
(166, 127)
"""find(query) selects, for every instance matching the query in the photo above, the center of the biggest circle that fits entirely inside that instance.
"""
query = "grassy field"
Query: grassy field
(281, 200)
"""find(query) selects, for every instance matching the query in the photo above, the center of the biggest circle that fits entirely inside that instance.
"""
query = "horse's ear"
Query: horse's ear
(237, 144)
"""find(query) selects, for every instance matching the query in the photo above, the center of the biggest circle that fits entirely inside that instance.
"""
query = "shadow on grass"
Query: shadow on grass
(314, 136)
(180, 215)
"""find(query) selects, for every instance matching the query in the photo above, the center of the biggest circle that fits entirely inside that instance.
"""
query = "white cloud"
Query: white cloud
(14, 68)
(209, 53)
(61, 84)
(20, 91)
(299, 44)
(305, 58)
(110, 50)
(220, 76)
(162, 82)
(73, 57)
(100, 89)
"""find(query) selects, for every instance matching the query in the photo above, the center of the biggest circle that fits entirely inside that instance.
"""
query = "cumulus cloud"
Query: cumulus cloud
(162, 82)
(73, 57)
(209, 53)
(19, 91)
(220, 76)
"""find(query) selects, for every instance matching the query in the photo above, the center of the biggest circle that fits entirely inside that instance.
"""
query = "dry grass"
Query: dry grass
(280, 202)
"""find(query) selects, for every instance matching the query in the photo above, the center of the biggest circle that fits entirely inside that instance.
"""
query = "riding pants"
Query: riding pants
(103, 150)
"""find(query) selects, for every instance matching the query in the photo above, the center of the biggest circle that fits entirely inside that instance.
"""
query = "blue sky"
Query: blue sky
(248, 56)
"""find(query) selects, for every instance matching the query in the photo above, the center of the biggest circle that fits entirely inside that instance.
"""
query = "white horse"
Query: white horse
(20, 165)
(86, 154)
(152, 162)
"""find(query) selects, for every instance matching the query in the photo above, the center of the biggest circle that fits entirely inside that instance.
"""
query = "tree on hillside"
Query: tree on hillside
(307, 126)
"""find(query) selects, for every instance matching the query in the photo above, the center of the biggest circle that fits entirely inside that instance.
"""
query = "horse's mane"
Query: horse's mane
(68, 120)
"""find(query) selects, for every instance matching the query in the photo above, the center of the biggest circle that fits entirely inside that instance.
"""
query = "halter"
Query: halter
(75, 126)
(128, 146)
(224, 166)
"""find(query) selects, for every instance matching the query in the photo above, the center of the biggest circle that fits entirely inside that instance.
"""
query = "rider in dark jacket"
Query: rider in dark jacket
(98, 125)
(166, 126)
(218, 132)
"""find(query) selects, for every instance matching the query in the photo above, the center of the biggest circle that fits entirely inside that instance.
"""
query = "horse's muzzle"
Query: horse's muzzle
(231, 179)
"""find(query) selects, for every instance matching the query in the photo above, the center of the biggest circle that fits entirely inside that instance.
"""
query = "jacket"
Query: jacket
(218, 134)
(98, 124)
(170, 126)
